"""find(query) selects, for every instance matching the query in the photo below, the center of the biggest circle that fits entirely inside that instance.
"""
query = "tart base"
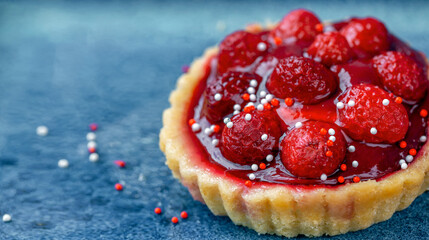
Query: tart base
(282, 209)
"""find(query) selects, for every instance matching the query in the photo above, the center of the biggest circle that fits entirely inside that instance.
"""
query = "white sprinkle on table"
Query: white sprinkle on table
(63, 163)
(42, 131)
(93, 157)
(7, 218)
(91, 136)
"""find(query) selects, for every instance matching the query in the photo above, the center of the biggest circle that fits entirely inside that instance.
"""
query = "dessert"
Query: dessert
(304, 127)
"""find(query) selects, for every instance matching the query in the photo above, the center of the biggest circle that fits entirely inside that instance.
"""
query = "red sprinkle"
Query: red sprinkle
(356, 179)
(119, 187)
(120, 163)
(403, 144)
(174, 220)
(93, 127)
(329, 153)
(289, 102)
(323, 131)
(262, 166)
(277, 41)
(92, 150)
(185, 68)
(343, 167)
(319, 27)
(248, 183)
(216, 128)
(191, 121)
(330, 143)
(184, 215)
(275, 102)
(249, 108)
(267, 106)
(245, 97)
(413, 152)
(423, 113)
(157, 210)
(340, 179)
(398, 100)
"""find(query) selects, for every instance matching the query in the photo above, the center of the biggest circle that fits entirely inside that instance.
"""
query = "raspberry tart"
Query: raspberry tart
(303, 127)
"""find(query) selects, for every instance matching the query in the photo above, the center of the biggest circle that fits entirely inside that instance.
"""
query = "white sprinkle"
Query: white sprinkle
(237, 107)
(262, 46)
(317, 59)
(208, 131)
(355, 163)
(215, 142)
(264, 101)
(253, 83)
(386, 102)
(229, 125)
(250, 104)
(264, 137)
(236, 112)
(252, 176)
(63, 163)
(260, 107)
(218, 96)
(93, 157)
(42, 131)
(323, 177)
(373, 130)
(91, 144)
(352, 148)
(91, 136)
(269, 97)
(248, 117)
(331, 131)
(226, 120)
(269, 157)
(196, 127)
(401, 161)
(305, 54)
(212, 128)
(423, 139)
(7, 218)
(332, 138)
(255, 167)
(404, 166)
(351, 103)
(251, 90)
(262, 93)
(340, 105)
(298, 124)
(409, 158)
(252, 97)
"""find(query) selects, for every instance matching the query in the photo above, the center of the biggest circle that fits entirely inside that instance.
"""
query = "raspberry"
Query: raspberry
(240, 49)
(303, 79)
(299, 24)
(244, 144)
(331, 47)
(230, 86)
(401, 75)
(369, 119)
(367, 36)
(305, 152)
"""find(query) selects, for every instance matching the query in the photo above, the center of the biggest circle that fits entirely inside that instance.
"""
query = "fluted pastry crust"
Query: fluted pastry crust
(282, 209)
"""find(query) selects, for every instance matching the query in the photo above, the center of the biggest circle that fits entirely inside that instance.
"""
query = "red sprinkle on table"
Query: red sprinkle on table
(184, 215)
(92, 150)
(340, 179)
(423, 113)
(120, 163)
(403, 144)
(413, 152)
(158, 210)
(93, 127)
(174, 220)
(119, 187)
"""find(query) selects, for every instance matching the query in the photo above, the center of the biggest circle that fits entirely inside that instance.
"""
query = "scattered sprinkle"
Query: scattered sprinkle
(184, 215)
(215, 142)
(119, 187)
(340, 105)
(423, 139)
(196, 127)
(351, 103)
(267, 106)
(330, 143)
(355, 163)
(91, 136)
(249, 108)
(218, 96)
(248, 183)
(264, 101)
(245, 97)
(248, 117)
(174, 220)
(120, 163)
(386, 102)
(237, 107)
(413, 152)
(260, 107)
(252, 176)
(398, 100)
(262, 166)
(289, 102)
(404, 166)
(269, 97)
(409, 158)
(343, 167)
(340, 179)
(191, 121)
(208, 131)
(331, 131)
(323, 131)
(91, 144)
(7, 218)
(373, 131)
(332, 138)
(262, 93)
(93, 157)
(403, 144)
(275, 102)
(63, 163)
(158, 210)
(185, 68)
(264, 137)
(216, 128)
(329, 153)
(298, 124)
(401, 161)
(356, 179)
(319, 27)
(323, 177)
(262, 46)
(253, 83)
(42, 131)
(252, 97)
(93, 127)
(251, 90)
(269, 158)
(352, 148)
(229, 125)
(423, 113)
(92, 150)
(226, 120)
(277, 41)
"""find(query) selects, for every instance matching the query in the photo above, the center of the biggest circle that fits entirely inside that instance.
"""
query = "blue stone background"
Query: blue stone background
(65, 64)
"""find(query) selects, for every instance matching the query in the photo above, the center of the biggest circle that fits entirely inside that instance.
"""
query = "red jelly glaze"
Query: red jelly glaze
(376, 161)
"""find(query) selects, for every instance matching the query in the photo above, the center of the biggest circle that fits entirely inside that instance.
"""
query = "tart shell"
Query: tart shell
(280, 209)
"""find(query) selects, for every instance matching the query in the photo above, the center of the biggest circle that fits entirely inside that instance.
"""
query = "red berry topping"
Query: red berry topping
(240, 49)
(250, 141)
(222, 95)
(303, 79)
(367, 36)
(401, 75)
(299, 24)
(270, 61)
(305, 152)
(331, 48)
(370, 119)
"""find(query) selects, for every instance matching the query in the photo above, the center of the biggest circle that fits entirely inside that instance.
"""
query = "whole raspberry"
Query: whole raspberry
(307, 152)
(367, 36)
(331, 48)
(221, 96)
(299, 24)
(373, 117)
(250, 141)
(303, 79)
(401, 75)
(240, 49)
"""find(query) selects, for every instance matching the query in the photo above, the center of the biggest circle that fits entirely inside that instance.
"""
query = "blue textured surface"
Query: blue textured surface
(67, 64)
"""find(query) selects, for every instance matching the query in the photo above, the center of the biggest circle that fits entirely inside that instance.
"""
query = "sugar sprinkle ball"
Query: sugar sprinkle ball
(120, 163)
(63, 163)
(7, 218)
(119, 187)
(42, 131)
